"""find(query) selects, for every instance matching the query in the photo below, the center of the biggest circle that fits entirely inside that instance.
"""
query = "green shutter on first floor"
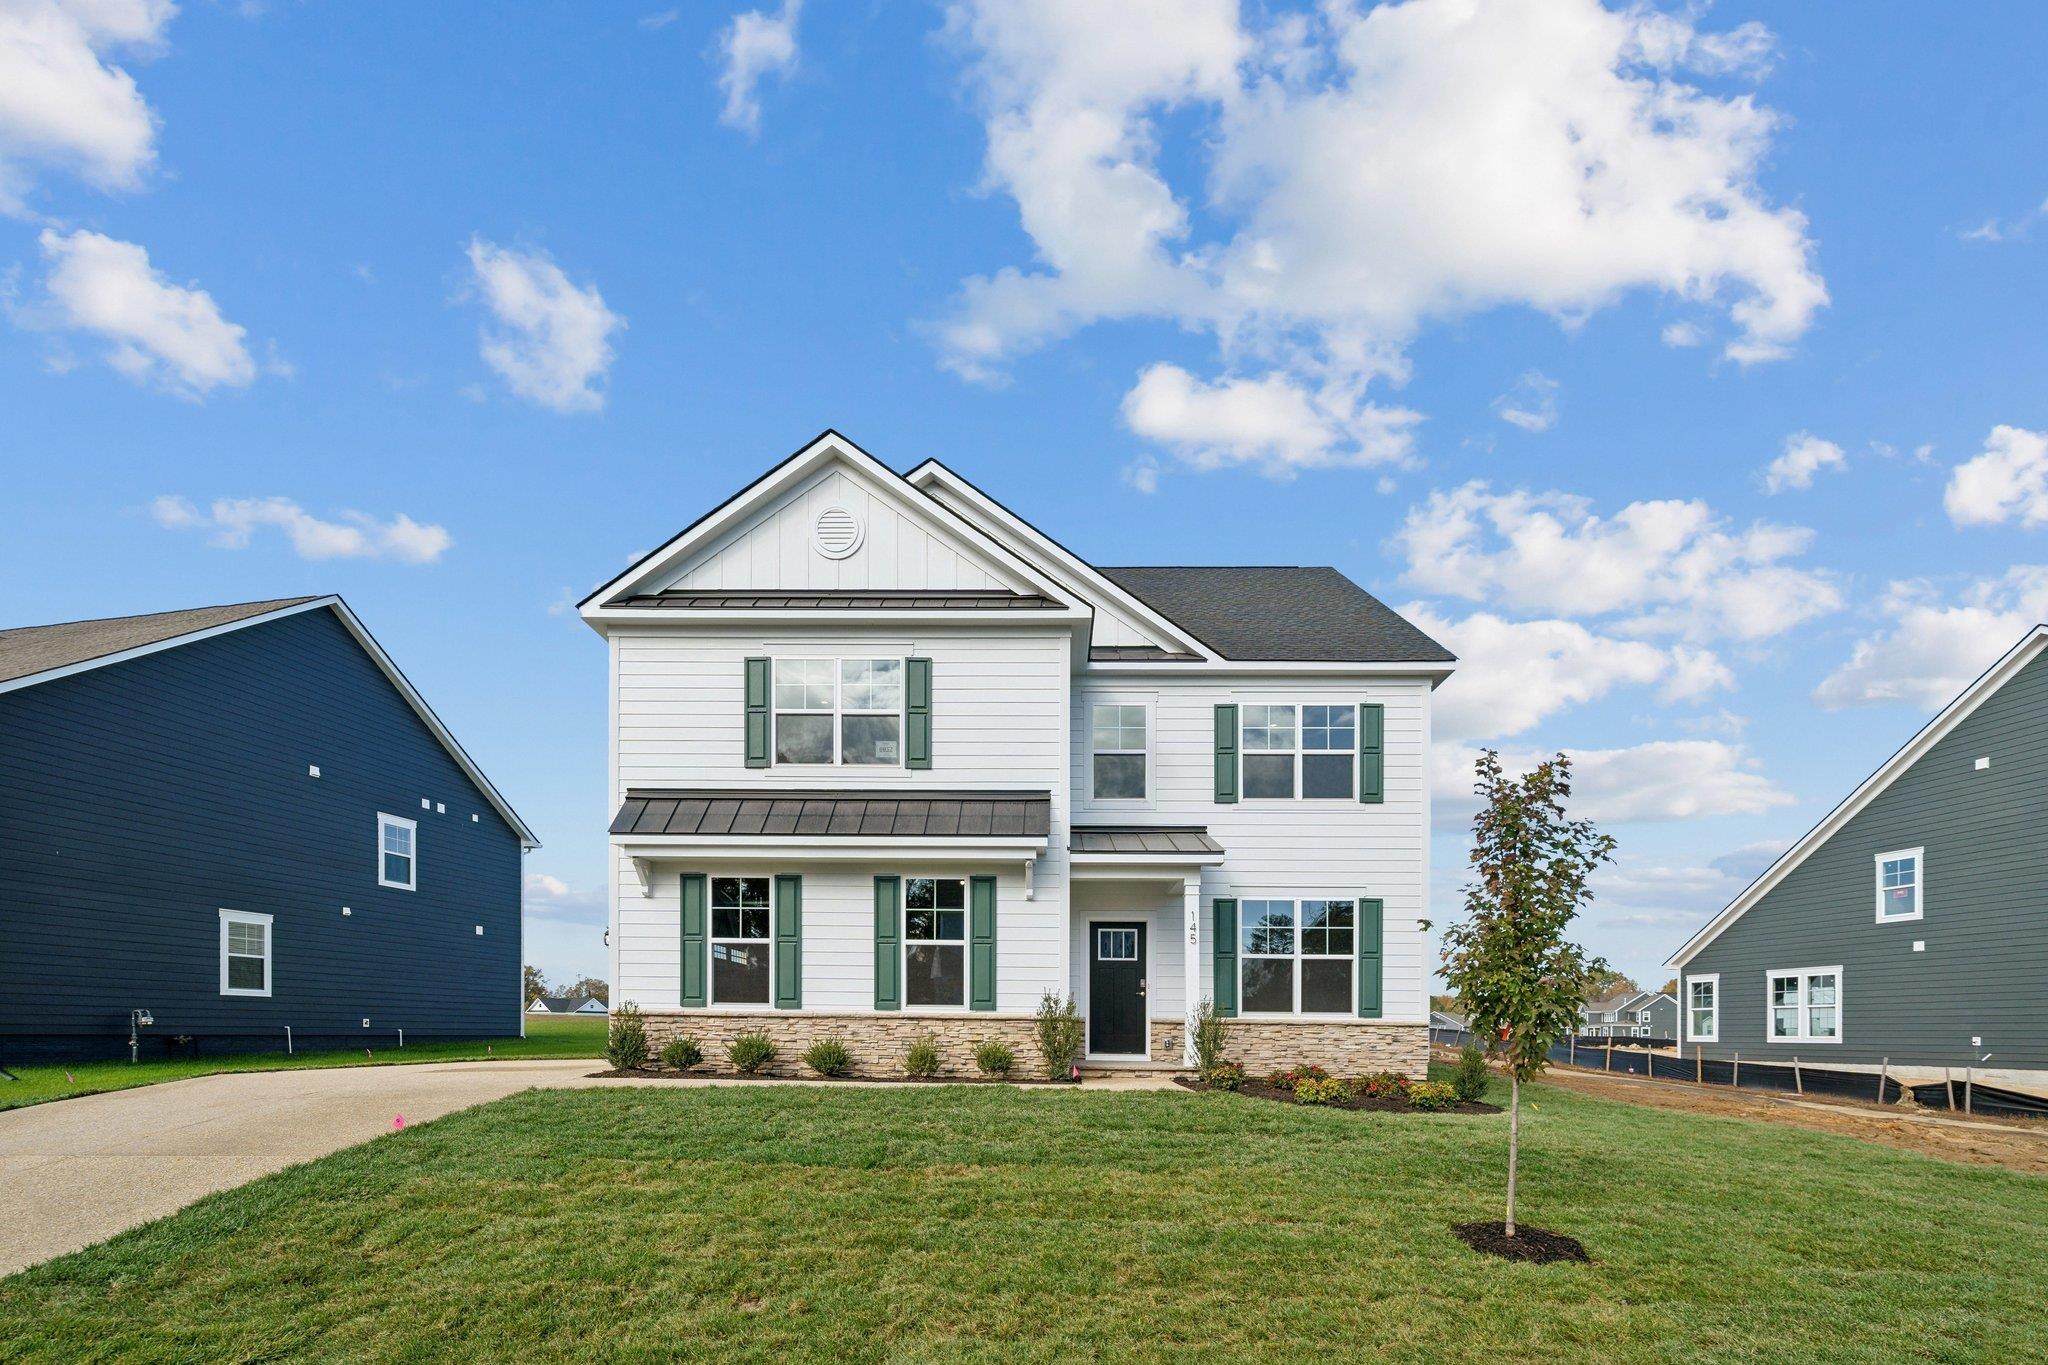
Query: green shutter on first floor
(695, 940)
(1371, 921)
(1223, 986)
(981, 943)
(917, 713)
(756, 714)
(1372, 755)
(789, 942)
(888, 928)
(1226, 753)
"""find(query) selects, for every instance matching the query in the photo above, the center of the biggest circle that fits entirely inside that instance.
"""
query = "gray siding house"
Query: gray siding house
(1909, 927)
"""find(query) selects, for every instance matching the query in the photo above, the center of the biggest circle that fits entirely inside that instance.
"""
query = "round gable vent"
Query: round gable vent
(836, 533)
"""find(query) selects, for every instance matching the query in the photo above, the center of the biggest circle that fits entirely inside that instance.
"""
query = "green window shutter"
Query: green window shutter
(981, 943)
(1371, 918)
(789, 942)
(1372, 752)
(888, 927)
(1223, 987)
(1226, 753)
(757, 713)
(917, 719)
(695, 940)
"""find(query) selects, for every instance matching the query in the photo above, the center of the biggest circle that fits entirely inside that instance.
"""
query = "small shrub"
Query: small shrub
(1432, 1095)
(1224, 1076)
(1328, 1090)
(681, 1054)
(625, 1046)
(922, 1061)
(994, 1058)
(1469, 1079)
(751, 1052)
(1059, 1035)
(1293, 1076)
(1208, 1037)
(1383, 1085)
(828, 1057)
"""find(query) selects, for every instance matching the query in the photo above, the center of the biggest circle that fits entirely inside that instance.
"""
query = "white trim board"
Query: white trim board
(1930, 734)
(369, 645)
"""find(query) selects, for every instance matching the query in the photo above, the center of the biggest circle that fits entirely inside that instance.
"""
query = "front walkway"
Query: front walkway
(78, 1171)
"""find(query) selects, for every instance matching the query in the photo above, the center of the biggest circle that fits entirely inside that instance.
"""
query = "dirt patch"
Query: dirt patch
(1260, 1090)
(1528, 1244)
(2015, 1144)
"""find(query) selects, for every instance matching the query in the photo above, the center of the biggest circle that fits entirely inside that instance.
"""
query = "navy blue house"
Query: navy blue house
(243, 822)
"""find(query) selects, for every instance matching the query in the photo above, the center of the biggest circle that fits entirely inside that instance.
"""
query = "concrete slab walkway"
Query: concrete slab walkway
(78, 1171)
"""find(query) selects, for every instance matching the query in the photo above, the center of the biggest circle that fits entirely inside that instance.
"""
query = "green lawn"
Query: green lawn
(545, 1037)
(783, 1221)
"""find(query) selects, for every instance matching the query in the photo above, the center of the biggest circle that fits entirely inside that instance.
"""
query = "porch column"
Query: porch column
(1191, 899)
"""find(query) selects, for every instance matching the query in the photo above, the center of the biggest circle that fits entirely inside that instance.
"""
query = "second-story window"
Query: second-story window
(1307, 750)
(1117, 751)
(845, 711)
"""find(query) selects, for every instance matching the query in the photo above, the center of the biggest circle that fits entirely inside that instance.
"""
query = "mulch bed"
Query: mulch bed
(706, 1074)
(1260, 1090)
(1528, 1244)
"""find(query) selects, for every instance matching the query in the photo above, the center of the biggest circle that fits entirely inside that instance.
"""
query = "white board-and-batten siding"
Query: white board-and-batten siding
(999, 722)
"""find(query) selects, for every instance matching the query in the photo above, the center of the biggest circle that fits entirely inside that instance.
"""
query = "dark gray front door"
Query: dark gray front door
(1116, 989)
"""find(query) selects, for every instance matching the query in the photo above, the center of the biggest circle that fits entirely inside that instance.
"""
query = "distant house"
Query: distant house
(1630, 1014)
(1906, 929)
(245, 823)
(566, 1004)
(1445, 1021)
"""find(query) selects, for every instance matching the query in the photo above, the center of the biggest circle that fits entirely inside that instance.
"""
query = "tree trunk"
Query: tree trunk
(1514, 1142)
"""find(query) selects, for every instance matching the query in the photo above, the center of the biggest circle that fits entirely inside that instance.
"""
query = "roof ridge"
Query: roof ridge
(172, 611)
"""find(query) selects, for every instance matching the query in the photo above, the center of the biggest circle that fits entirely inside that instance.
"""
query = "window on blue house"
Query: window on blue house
(397, 853)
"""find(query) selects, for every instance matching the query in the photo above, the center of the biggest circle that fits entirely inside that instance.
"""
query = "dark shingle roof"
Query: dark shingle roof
(38, 649)
(562, 1004)
(883, 600)
(842, 814)
(1268, 613)
(1153, 839)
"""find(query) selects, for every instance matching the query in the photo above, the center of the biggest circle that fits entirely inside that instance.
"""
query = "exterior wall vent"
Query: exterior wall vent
(837, 533)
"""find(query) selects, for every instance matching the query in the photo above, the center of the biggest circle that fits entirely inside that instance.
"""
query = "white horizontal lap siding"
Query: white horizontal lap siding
(773, 550)
(1000, 703)
(1293, 849)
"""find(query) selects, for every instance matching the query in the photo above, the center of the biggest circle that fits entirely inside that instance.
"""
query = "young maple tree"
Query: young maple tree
(1520, 979)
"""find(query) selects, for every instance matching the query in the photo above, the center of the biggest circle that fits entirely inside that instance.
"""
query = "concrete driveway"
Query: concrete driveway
(78, 1171)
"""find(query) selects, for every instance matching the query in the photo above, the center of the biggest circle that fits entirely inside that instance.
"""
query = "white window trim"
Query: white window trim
(228, 917)
(1805, 974)
(412, 827)
(964, 942)
(1297, 754)
(1298, 957)
(712, 940)
(1151, 744)
(1919, 857)
(1685, 1008)
(840, 710)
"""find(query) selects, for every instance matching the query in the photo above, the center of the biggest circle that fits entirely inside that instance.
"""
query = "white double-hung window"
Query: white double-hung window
(244, 953)
(1703, 1008)
(1116, 747)
(1898, 884)
(1311, 751)
(935, 942)
(397, 852)
(741, 945)
(839, 711)
(1297, 957)
(1805, 1005)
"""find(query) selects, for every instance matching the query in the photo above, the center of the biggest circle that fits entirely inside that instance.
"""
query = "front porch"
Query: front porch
(1135, 934)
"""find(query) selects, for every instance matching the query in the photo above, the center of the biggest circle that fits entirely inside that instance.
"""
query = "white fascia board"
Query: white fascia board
(1914, 749)
(600, 617)
(1147, 866)
(1043, 548)
(812, 849)
(1436, 672)
(790, 473)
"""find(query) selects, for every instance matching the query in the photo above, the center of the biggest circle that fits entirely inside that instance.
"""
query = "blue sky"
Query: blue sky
(1509, 311)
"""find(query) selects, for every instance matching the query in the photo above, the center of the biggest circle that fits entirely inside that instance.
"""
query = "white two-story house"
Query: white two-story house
(888, 761)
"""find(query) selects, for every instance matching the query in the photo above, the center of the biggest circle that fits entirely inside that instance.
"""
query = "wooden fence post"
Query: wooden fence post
(1735, 1076)
(1969, 1089)
(1884, 1073)
(1609, 1050)
(1948, 1081)
(1798, 1084)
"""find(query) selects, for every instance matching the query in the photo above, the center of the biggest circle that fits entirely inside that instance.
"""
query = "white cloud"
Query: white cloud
(1683, 334)
(2008, 482)
(1512, 675)
(549, 895)
(1366, 173)
(660, 19)
(62, 106)
(1272, 423)
(1933, 648)
(1666, 566)
(1531, 404)
(552, 341)
(2007, 229)
(1663, 780)
(1804, 456)
(232, 522)
(756, 44)
(169, 336)
(1142, 474)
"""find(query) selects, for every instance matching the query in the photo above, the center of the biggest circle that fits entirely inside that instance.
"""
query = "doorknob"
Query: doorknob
(1141, 985)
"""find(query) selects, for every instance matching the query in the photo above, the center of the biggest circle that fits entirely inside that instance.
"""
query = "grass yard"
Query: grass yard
(990, 1223)
(545, 1037)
